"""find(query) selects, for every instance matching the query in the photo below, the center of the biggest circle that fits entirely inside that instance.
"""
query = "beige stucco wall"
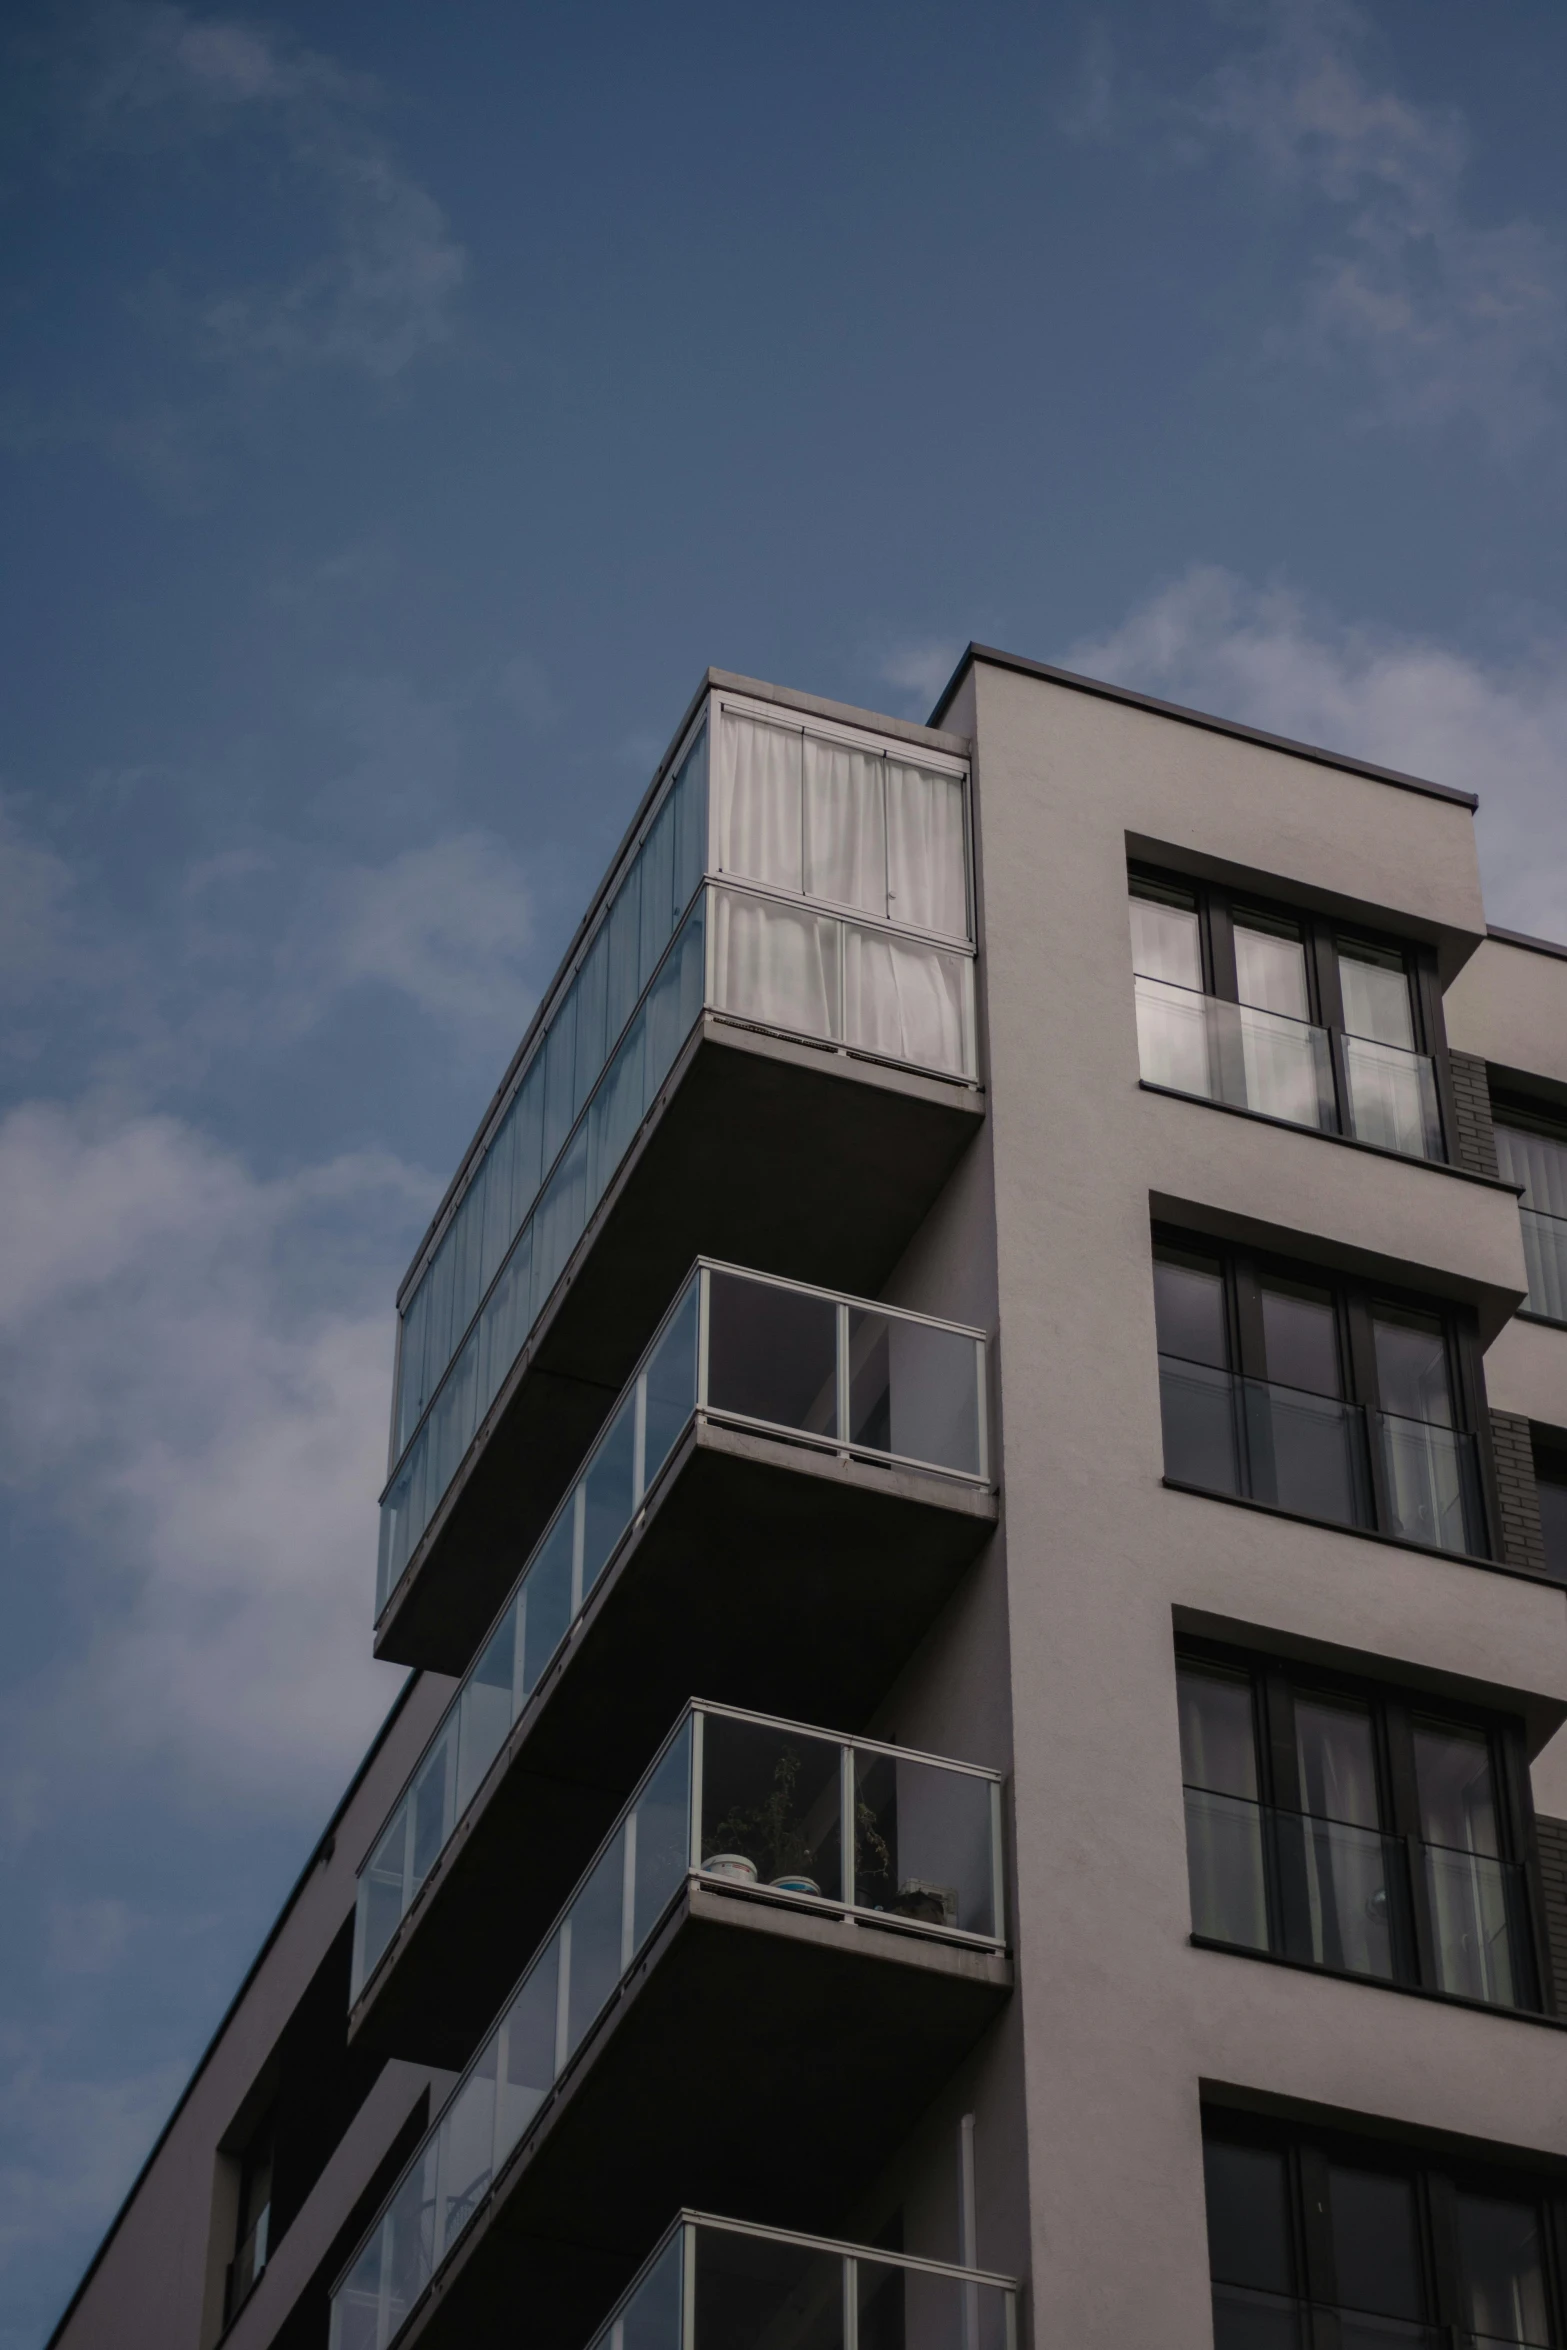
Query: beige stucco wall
(1509, 1005)
(1122, 2019)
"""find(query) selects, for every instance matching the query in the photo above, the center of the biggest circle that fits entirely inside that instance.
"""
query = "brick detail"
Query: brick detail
(1551, 1843)
(1474, 1143)
(1523, 1542)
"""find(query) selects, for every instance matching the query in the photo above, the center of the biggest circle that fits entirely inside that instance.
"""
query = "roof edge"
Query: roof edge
(1530, 945)
(1073, 678)
(318, 1852)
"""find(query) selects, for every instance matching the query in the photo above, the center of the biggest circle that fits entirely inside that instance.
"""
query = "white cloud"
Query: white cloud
(194, 1383)
(448, 925)
(1497, 727)
(921, 667)
(381, 290)
(1453, 318)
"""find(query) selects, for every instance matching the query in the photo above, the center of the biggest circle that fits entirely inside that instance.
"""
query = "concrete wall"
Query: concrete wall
(158, 2283)
(1123, 2021)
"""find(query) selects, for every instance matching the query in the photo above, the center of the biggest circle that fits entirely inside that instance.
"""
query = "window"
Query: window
(255, 2215)
(1345, 2241)
(1287, 1385)
(1286, 1014)
(1531, 1150)
(1550, 1477)
(1356, 1829)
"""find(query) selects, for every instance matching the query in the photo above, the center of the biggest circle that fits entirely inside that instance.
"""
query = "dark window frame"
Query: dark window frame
(1436, 2178)
(1395, 1709)
(1218, 905)
(1246, 1270)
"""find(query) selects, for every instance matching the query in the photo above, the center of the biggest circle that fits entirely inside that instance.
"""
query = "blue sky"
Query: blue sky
(398, 408)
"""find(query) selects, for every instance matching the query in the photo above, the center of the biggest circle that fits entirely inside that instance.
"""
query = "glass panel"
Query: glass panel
(1188, 1297)
(484, 1709)
(546, 1600)
(1335, 1755)
(356, 2306)
(663, 1837)
(590, 1942)
(466, 2152)
(431, 1800)
(1375, 2232)
(607, 1494)
(922, 1843)
(845, 826)
(1501, 2256)
(1285, 1066)
(503, 1325)
(379, 1897)
(624, 927)
(926, 866)
(657, 860)
(772, 1354)
(526, 2048)
(1375, 990)
(560, 1069)
(1456, 1786)
(1432, 1484)
(1197, 1414)
(917, 2309)
(1474, 1905)
(673, 1004)
(1392, 1099)
(1256, 2321)
(913, 1390)
(671, 1386)
(1538, 1162)
(1300, 1336)
(1224, 1869)
(759, 812)
(1218, 1736)
(649, 2317)
(1173, 1038)
(408, 2241)
(558, 1219)
(754, 2294)
(1545, 1264)
(1166, 940)
(776, 964)
(907, 1001)
(1307, 1453)
(771, 1804)
(1552, 1487)
(1249, 2238)
(590, 990)
(1270, 967)
(690, 798)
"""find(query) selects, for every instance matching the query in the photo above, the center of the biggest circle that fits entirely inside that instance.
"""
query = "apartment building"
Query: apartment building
(978, 1505)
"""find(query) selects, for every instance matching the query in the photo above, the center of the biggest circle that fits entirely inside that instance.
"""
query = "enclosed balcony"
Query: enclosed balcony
(780, 1952)
(778, 1506)
(764, 1044)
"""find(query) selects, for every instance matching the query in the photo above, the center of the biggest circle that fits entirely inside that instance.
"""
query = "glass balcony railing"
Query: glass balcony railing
(1224, 1052)
(714, 2284)
(1545, 1262)
(1309, 1453)
(762, 1808)
(1338, 1895)
(835, 908)
(1244, 2319)
(1283, 1068)
(834, 1373)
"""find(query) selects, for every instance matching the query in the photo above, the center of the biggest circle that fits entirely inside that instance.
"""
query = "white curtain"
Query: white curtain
(845, 831)
(759, 818)
(926, 874)
(908, 1001)
(777, 964)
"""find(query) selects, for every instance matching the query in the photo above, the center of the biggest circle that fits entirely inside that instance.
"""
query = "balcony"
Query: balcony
(765, 1045)
(783, 1947)
(1247, 2319)
(1287, 1069)
(1319, 1457)
(778, 1506)
(713, 2284)
(1353, 1900)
